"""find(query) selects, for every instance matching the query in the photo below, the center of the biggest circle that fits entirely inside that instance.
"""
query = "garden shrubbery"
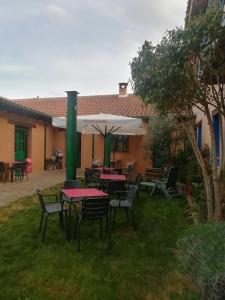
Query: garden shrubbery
(201, 255)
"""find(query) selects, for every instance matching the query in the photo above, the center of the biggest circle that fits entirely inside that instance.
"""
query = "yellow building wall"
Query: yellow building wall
(6, 140)
(59, 142)
(49, 140)
(37, 148)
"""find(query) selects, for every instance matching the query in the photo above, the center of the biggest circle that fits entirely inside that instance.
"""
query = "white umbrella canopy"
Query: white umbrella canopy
(104, 124)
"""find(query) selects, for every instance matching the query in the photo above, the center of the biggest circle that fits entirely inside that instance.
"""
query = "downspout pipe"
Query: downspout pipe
(72, 150)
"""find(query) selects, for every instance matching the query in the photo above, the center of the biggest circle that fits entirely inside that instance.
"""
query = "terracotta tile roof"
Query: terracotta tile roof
(109, 104)
(19, 107)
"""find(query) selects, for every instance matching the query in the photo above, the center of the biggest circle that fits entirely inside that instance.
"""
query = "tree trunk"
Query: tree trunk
(216, 180)
(207, 182)
(222, 165)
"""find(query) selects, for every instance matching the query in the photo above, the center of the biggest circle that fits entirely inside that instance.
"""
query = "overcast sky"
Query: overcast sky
(48, 47)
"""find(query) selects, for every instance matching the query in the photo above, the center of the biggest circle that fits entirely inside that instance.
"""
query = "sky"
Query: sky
(48, 47)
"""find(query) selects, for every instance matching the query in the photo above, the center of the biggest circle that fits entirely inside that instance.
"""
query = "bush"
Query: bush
(201, 255)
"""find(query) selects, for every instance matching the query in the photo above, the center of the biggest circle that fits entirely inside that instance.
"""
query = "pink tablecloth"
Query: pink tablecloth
(112, 177)
(82, 193)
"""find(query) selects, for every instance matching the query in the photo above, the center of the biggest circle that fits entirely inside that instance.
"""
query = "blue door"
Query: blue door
(199, 136)
(216, 127)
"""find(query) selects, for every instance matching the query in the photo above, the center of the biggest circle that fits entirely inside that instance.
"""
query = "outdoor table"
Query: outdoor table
(11, 166)
(79, 195)
(112, 177)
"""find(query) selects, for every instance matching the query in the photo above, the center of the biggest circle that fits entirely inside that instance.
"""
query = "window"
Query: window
(119, 143)
(199, 135)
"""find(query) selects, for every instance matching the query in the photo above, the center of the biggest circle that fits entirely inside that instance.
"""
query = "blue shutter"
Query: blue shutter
(199, 136)
(216, 127)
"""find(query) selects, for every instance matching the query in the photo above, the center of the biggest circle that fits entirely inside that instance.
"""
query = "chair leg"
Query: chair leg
(61, 222)
(127, 213)
(40, 226)
(45, 227)
(133, 219)
(78, 235)
(114, 217)
(100, 223)
(153, 190)
(69, 221)
(108, 222)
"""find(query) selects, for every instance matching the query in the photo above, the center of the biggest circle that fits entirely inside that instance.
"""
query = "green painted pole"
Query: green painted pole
(107, 151)
(72, 149)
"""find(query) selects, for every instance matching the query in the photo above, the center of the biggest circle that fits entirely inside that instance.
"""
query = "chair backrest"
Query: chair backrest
(132, 194)
(95, 208)
(20, 166)
(46, 198)
(72, 184)
(172, 178)
(91, 176)
(115, 186)
(41, 200)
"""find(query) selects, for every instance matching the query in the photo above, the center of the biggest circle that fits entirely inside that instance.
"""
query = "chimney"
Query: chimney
(123, 89)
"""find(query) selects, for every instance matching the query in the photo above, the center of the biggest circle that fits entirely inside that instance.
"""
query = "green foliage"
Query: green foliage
(189, 170)
(159, 138)
(201, 255)
(174, 75)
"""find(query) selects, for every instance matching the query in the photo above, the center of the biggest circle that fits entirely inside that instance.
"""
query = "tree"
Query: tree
(160, 139)
(185, 72)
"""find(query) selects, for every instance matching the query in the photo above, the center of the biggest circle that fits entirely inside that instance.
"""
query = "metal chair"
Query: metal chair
(126, 201)
(3, 171)
(92, 178)
(169, 185)
(50, 205)
(19, 170)
(112, 186)
(72, 184)
(95, 209)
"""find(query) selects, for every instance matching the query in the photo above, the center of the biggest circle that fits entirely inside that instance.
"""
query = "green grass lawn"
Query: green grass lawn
(140, 265)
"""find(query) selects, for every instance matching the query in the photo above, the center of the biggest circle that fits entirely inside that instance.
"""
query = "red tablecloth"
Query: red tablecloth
(82, 193)
(112, 177)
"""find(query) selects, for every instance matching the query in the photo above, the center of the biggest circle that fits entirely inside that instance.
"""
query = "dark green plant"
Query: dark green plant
(189, 170)
(201, 255)
(159, 139)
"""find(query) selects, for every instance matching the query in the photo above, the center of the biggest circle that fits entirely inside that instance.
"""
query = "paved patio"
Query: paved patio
(12, 191)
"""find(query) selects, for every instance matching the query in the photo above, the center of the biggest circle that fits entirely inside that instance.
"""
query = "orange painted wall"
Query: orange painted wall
(37, 148)
(49, 140)
(6, 140)
(205, 128)
(136, 152)
(59, 142)
(86, 150)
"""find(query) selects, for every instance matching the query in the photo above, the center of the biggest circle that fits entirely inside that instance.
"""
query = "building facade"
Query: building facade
(26, 130)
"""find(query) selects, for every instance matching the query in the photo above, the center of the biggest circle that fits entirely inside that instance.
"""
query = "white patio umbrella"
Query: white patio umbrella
(104, 124)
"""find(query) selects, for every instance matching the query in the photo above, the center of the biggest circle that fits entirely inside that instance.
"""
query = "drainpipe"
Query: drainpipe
(71, 136)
